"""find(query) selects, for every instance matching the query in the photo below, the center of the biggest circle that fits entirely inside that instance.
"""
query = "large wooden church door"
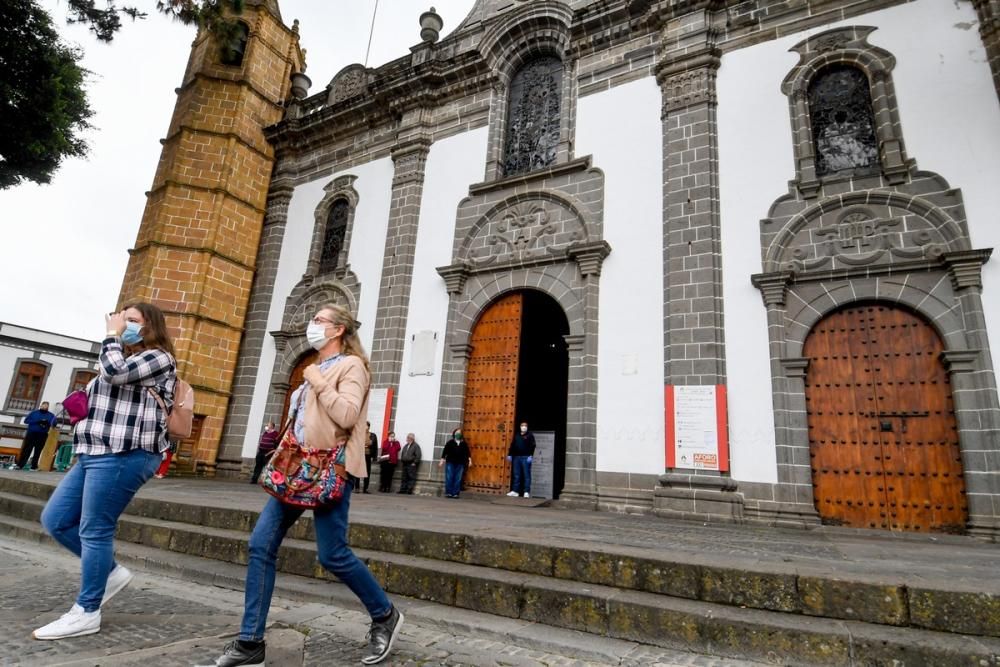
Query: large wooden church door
(491, 393)
(883, 441)
(295, 381)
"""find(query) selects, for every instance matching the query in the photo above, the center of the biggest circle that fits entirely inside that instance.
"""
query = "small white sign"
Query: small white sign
(696, 427)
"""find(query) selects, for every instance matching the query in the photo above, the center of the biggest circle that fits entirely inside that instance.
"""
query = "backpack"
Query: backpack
(180, 419)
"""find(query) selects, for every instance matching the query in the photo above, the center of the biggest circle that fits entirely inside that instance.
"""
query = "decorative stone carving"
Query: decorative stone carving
(349, 82)
(831, 235)
(409, 160)
(689, 88)
(533, 116)
(773, 286)
(526, 230)
(966, 267)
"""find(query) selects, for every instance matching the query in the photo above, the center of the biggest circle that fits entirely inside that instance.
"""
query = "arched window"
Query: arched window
(843, 124)
(333, 237)
(234, 44)
(533, 116)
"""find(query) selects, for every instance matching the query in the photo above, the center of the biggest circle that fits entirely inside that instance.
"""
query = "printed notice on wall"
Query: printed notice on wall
(379, 409)
(696, 427)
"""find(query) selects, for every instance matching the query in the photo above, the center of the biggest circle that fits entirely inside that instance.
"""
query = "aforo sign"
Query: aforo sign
(696, 429)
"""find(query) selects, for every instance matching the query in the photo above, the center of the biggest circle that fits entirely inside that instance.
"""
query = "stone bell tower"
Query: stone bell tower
(196, 250)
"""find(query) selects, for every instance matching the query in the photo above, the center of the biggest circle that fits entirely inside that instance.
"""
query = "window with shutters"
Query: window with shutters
(26, 390)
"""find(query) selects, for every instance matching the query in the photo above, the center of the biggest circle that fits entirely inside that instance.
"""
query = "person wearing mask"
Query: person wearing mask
(333, 399)
(371, 453)
(520, 454)
(267, 444)
(39, 422)
(409, 457)
(455, 458)
(387, 462)
(119, 445)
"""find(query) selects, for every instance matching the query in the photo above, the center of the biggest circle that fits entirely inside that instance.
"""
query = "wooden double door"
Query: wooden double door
(883, 440)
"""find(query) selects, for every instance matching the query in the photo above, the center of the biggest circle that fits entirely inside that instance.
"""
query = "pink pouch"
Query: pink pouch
(76, 406)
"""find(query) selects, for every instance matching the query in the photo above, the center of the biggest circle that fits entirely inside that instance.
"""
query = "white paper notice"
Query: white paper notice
(696, 429)
(378, 412)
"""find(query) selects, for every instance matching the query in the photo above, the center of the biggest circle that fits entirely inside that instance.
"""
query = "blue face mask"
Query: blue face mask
(131, 335)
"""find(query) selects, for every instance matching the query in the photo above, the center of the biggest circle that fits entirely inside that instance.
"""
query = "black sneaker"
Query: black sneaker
(381, 637)
(241, 654)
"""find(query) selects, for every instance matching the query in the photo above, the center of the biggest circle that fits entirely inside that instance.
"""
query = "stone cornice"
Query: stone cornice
(773, 286)
(965, 267)
(561, 169)
(960, 361)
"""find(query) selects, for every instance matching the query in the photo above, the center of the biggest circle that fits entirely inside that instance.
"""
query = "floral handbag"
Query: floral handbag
(303, 476)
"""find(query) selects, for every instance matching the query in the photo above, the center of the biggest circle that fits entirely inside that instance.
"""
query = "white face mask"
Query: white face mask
(524, 429)
(316, 335)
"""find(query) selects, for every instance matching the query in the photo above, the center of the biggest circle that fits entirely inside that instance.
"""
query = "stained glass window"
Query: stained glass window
(333, 239)
(843, 124)
(533, 116)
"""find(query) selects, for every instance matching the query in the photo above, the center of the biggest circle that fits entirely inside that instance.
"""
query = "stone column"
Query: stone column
(230, 460)
(989, 30)
(693, 331)
(580, 485)
(409, 158)
(694, 351)
(974, 391)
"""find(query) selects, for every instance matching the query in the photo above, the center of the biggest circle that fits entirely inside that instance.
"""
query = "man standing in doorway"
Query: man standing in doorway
(39, 422)
(520, 453)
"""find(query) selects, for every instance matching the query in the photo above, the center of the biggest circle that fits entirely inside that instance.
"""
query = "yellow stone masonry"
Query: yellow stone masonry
(196, 249)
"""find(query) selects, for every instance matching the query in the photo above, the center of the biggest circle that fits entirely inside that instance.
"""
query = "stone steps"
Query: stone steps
(650, 618)
(903, 602)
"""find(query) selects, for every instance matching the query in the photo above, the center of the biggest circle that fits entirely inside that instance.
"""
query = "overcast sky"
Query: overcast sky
(65, 244)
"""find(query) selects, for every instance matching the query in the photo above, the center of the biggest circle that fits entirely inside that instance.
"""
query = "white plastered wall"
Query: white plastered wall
(951, 125)
(371, 219)
(452, 165)
(621, 128)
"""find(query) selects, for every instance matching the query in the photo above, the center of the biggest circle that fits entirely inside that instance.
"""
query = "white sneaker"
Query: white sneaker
(512, 493)
(117, 580)
(527, 495)
(74, 623)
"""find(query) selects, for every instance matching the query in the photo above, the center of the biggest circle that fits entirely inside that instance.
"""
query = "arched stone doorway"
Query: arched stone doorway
(517, 371)
(883, 440)
(295, 379)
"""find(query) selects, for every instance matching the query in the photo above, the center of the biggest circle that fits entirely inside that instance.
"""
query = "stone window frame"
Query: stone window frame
(226, 50)
(76, 371)
(340, 188)
(844, 46)
(13, 382)
(535, 30)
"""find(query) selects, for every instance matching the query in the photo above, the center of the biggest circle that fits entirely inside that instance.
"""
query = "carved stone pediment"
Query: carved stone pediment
(525, 230)
(880, 228)
(349, 82)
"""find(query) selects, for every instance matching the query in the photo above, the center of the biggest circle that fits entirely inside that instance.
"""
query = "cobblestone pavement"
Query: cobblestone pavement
(161, 622)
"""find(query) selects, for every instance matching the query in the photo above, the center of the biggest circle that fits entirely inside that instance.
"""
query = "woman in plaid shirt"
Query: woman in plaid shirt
(119, 447)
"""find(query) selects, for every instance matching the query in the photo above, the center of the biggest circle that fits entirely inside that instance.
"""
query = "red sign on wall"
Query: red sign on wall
(697, 433)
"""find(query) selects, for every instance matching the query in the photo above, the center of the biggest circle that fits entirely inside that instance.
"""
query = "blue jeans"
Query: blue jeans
(521, 471)
(453, 478)
(333, 552)
(83, 512)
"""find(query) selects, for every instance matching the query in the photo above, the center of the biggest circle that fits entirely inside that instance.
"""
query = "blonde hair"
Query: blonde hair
(350, 343)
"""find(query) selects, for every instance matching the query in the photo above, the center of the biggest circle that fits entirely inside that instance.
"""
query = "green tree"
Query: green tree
(43, 101)
(43, 105)
(105, 21)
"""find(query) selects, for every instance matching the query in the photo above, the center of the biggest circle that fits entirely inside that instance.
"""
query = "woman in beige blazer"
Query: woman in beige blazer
(328, 409)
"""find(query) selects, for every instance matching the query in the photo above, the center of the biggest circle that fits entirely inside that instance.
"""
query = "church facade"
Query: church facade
(732, 258)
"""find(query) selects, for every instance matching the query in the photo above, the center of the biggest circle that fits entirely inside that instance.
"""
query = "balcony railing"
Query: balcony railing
(21, 405)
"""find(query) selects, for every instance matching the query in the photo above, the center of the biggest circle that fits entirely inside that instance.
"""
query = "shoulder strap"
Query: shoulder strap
(159, 399)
